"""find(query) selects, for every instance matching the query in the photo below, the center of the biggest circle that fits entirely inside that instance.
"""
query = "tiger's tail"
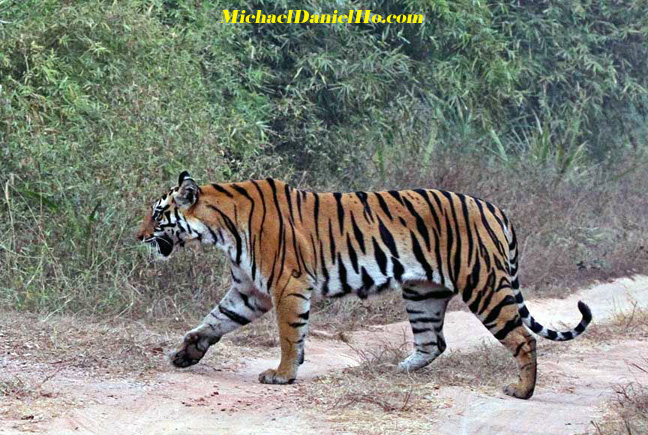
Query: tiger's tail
(527, 318)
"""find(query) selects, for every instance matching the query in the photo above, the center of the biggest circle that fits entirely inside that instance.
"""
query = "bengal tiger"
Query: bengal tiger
(288, 247)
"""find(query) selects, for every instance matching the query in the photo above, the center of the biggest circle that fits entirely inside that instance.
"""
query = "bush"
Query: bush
(102, 104)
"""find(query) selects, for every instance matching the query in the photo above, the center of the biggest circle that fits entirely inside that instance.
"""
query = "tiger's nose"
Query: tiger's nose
(146, 229)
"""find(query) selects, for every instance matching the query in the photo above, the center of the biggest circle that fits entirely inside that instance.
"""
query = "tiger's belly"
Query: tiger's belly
(368, 279)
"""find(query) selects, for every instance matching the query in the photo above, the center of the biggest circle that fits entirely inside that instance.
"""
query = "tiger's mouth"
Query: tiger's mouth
(163, 244)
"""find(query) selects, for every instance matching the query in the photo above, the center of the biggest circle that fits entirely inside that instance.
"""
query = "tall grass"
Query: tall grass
(101, 105)
(539, 107)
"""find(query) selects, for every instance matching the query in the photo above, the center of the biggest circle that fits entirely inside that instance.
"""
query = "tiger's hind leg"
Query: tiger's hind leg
(498, 311)
(426, 305)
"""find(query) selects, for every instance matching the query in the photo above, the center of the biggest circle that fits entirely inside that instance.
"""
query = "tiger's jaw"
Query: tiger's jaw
(171, 230)
(188, 233)
(162, 245)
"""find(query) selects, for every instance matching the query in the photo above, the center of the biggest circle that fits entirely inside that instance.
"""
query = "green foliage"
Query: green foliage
(101, 106)
(103, 103)
(576, 68)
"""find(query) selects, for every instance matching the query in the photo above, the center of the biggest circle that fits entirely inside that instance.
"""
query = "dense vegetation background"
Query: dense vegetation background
(538, 106)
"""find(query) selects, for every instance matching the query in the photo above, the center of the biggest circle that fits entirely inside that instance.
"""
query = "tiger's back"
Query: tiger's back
(287, 246)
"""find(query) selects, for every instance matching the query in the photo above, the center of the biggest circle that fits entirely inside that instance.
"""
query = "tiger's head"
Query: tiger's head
(171, 222)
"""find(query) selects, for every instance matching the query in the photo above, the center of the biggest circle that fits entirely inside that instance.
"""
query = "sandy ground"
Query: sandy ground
(222, 395)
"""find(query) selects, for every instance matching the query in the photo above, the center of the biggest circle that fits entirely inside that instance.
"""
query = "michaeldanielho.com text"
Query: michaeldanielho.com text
(298, 16)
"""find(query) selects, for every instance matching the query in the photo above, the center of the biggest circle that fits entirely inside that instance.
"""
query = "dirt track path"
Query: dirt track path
(206, 399)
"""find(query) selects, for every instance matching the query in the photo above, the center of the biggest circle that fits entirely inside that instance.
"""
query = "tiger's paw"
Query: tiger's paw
(414, 362)
(272, 376)
(191, 351)
(518, 391)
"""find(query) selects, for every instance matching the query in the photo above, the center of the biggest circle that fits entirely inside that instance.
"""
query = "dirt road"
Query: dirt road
(222, 395)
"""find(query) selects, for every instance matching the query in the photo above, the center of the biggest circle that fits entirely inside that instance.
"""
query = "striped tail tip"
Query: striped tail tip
(580, 328)
(587, 317)
(559, 335)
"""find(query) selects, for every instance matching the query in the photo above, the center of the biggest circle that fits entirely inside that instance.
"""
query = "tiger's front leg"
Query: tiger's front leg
(241, 305)
(293, 311)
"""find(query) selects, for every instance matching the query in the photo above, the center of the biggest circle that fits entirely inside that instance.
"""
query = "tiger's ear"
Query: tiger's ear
(182, 177)
(187, 192)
